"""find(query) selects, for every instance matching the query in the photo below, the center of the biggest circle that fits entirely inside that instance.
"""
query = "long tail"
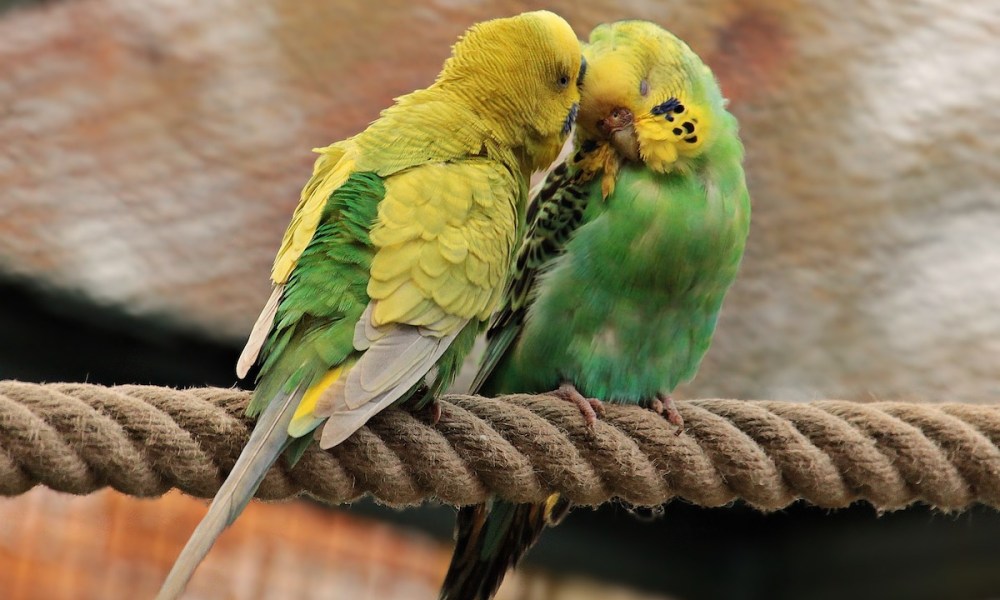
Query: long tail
(490, 539)
(268, 439)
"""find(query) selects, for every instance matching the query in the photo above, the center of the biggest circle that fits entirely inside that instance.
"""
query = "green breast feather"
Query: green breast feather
(628, 310)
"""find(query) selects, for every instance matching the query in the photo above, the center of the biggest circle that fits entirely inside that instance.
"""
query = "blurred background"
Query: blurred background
(151, 153)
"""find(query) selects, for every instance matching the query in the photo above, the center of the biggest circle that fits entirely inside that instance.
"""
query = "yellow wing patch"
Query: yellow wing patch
(332, 168)
(444, 238)
(303, 421)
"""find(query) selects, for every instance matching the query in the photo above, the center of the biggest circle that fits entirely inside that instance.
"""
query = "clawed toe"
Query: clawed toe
(434, 412)
(430, 412)
(590, 408)
(664, 405)
(597, 405)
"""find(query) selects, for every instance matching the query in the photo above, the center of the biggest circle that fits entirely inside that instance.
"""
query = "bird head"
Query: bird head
(648, 96)
(521, 76)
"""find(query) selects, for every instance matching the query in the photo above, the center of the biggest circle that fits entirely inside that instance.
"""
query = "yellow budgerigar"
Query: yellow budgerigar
(399, 250)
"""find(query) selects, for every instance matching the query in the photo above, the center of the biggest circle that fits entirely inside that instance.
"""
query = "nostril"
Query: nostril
(618, 118)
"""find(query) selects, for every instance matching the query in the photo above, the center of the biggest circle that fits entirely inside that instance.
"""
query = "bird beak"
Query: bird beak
(618, 119)
(619, 126)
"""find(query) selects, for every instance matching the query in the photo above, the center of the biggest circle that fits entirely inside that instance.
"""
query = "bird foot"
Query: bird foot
(426, 409)
(590, 408)
(433, 411)
(424, 405)
(664, 405)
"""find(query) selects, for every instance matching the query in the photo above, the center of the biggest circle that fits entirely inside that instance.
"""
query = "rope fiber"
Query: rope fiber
(144, 440)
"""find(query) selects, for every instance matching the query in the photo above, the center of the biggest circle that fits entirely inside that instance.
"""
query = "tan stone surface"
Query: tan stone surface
(151, 153)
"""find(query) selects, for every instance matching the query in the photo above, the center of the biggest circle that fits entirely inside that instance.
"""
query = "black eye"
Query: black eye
(563, 80)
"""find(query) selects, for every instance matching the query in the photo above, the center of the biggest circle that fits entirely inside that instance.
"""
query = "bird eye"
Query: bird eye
(644, 87)
(563, 80)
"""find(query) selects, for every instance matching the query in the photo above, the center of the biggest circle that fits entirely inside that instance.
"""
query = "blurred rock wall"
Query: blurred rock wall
(151, 153)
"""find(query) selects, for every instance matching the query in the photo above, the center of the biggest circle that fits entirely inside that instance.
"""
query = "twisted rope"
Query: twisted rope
(145, 440)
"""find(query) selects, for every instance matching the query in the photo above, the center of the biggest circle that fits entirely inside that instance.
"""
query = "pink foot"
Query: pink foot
(590, 408)
(430, 411)
(664, 405)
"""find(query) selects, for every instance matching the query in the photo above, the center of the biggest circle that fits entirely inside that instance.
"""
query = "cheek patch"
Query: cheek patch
(668, 109)
(672, 130)
(570, 118)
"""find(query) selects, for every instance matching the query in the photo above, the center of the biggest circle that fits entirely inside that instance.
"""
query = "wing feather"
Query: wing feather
(395, 362)
(444, 239)
(259, 333)
(334, 165)
(457, 248)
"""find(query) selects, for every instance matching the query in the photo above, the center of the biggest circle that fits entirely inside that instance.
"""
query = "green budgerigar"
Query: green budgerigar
(399, 250)
(632, 244)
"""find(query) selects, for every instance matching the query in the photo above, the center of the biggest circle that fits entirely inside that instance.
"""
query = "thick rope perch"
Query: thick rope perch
(145, 440)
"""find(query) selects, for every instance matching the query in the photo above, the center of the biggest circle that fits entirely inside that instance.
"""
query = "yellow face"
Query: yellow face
(647, 95)
(523, 72)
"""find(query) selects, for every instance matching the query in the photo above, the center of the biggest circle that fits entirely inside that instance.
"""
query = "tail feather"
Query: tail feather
(267, 441)
(490, 540)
